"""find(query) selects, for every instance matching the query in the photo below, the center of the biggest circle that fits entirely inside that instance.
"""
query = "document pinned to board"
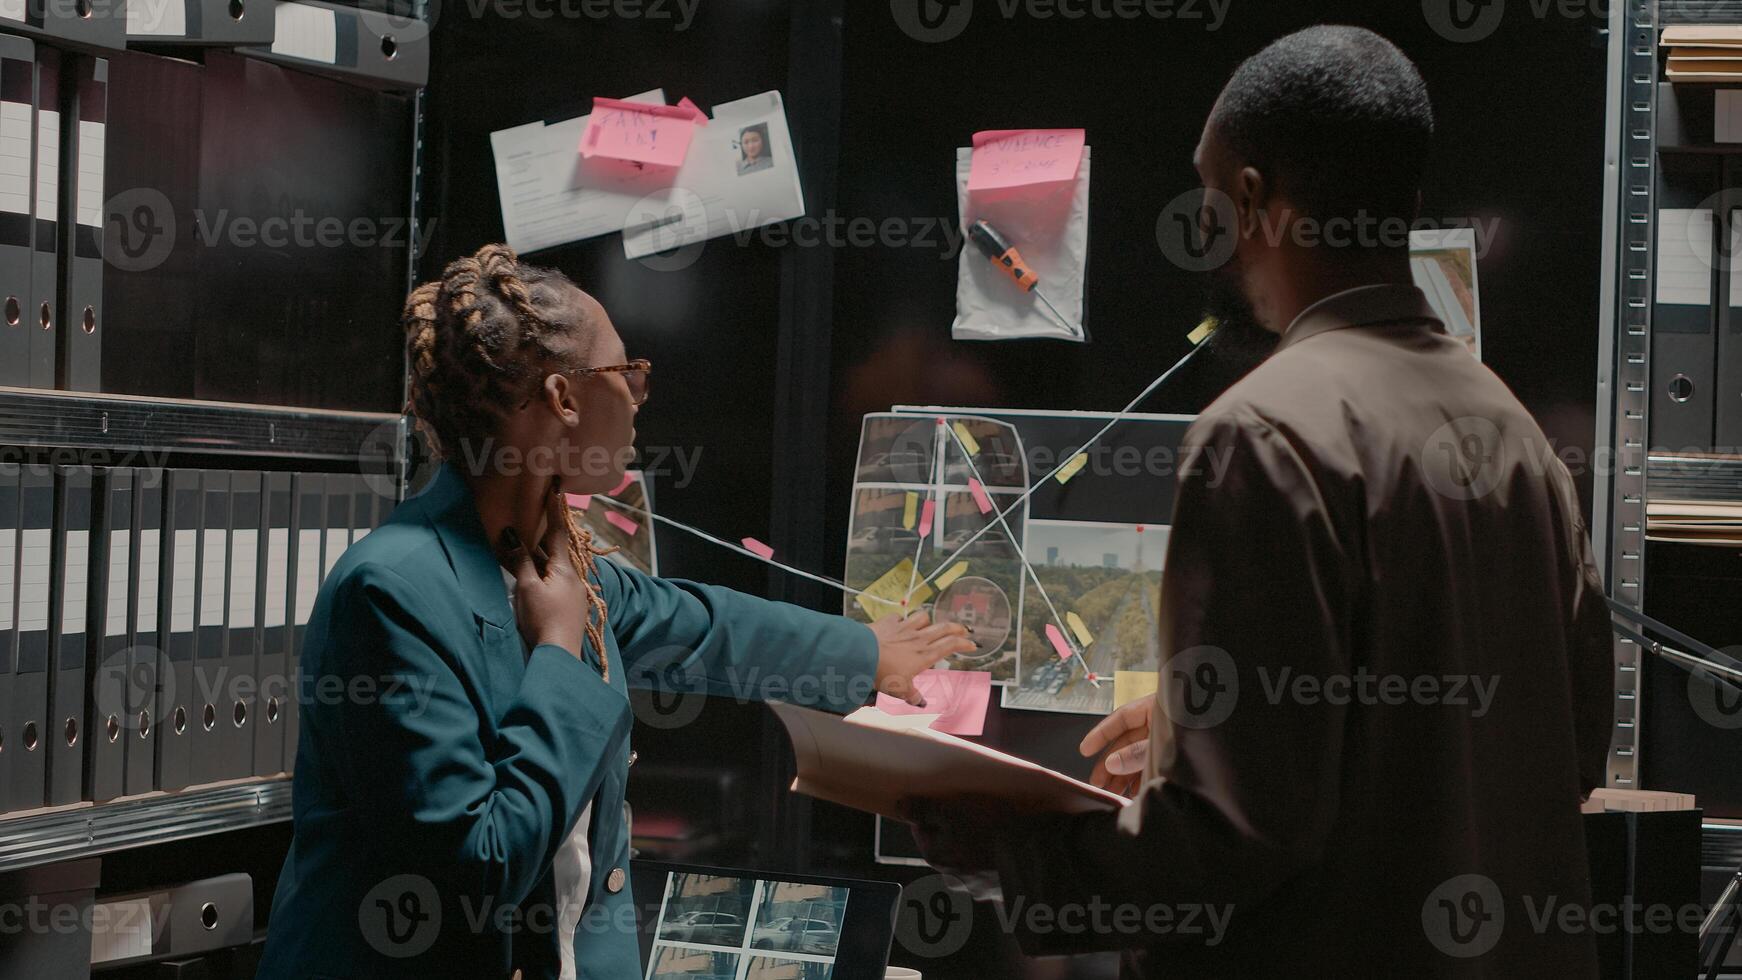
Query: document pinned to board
(873, 761)
(736, 172)
(551, 195)
(739, 174)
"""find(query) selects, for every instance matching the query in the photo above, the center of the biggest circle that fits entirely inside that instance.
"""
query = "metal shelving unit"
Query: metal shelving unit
(86, 422)
(1625, 347)
(1621, 494)
(124, 423)
(90, 829)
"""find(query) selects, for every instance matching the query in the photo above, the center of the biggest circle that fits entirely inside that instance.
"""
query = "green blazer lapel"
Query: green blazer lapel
(448, 506)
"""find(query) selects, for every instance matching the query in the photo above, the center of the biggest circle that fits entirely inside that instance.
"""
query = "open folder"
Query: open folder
(872, 761)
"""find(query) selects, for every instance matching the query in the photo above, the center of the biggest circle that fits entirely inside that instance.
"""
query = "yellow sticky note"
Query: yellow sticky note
(1080, 628)
(1203, 330)
(1129, 685)
(955, 572)
(885, 595)
(1073, 467)
(968, 441)
(910, 511)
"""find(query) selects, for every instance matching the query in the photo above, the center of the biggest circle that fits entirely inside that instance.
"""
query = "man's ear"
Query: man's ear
(1251, 197)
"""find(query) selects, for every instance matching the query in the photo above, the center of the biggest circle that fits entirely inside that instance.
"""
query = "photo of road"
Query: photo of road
(913, 477)
(1109, 577)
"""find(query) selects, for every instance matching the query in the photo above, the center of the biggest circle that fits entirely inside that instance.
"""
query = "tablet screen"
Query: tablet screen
(714, 923)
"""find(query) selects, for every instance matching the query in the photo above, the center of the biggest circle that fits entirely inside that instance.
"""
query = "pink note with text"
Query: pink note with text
(641, 132)
(1014, 157)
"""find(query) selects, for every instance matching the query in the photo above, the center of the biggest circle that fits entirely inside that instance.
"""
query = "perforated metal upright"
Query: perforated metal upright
(1623, 377)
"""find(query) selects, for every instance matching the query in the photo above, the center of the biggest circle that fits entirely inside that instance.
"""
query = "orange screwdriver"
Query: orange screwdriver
(1005, 256)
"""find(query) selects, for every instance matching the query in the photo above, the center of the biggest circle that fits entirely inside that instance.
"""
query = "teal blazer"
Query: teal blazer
(440, 763)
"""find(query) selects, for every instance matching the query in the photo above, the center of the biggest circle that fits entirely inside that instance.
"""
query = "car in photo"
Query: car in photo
(797, 934)
(708, 928)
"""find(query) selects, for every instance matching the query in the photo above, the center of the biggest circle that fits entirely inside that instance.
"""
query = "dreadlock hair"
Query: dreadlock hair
(478, 339)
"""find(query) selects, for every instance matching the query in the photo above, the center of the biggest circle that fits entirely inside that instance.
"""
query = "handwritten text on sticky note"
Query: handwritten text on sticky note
(1014, 157)
(889, 594)
(638, 131)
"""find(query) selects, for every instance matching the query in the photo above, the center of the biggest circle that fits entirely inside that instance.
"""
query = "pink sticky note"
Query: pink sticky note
(1058, 641)
(1014, 157)
(980, 499)
(700, 117)
(622, 523)
(957, 697)
(628, 478)
(640, 131)
(753, 545)
(579, 501)
(925, 516)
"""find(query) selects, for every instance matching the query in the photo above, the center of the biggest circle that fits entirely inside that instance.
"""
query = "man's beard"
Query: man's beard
(1240, 341)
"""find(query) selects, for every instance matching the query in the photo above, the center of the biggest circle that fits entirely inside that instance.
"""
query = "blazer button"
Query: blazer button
(614, 881)
(633, 755)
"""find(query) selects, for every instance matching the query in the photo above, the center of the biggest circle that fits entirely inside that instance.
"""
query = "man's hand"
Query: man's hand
(550, 603)
(907, 646)
(1122, 741)
(960, 836)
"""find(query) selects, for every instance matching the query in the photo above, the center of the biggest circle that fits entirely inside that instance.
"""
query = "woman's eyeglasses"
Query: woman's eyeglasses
(635, 375)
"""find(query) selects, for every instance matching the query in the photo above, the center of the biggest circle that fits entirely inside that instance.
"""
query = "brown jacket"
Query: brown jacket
(1388, 684)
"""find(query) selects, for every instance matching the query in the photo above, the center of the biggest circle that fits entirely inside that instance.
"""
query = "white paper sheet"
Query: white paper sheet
(537, 170)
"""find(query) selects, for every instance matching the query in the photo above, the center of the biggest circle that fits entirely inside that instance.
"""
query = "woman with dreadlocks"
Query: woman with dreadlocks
(464, 741)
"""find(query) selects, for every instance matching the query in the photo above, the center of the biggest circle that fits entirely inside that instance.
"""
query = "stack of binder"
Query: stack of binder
(1696, 498)
(58, 199)
(151, 622)
(1704, 53)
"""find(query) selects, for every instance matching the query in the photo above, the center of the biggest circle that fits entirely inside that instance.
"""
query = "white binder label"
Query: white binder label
(308, 572)
(115, 617)
(47, 165)
(149, 573)
(15, 157)
(337, 540)
(1684, 256)
(157, 18)
(212, 577)
(90, 175)
(12, 10)
(277, 575)
(302, 31)
(75, 580)
(8, 557)
(244, 561)
(181, 586)
(34, 556)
